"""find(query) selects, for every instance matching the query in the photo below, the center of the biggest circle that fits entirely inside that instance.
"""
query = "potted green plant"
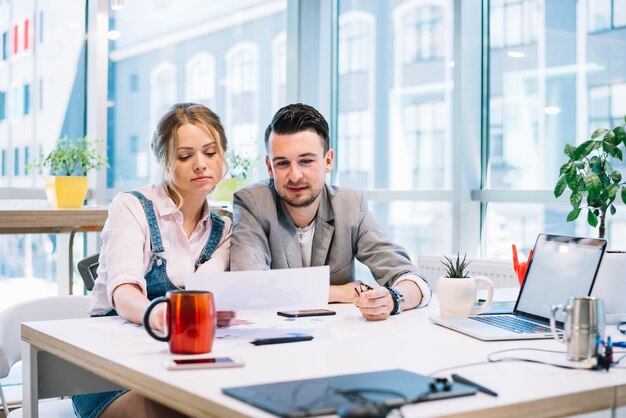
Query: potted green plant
(590, 175)
(595, 185)
(240, 167)
(457, 297)
(66, 167)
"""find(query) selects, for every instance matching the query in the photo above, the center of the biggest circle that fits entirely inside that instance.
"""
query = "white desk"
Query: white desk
(125, 355)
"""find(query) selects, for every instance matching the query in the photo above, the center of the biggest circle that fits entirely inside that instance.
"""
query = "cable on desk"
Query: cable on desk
(561, 366)
(479, 363)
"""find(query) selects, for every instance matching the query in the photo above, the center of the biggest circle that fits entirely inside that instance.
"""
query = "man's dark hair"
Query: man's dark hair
(295, 118)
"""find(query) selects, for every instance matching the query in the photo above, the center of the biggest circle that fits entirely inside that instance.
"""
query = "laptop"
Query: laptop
(561, 267)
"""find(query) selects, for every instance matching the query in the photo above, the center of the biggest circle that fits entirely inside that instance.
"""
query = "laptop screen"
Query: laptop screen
(561, 267)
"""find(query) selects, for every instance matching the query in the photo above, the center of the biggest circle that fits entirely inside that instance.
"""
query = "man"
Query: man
(294, 219)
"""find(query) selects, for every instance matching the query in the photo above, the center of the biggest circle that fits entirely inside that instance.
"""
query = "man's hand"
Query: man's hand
(344, 293)
(375, 304)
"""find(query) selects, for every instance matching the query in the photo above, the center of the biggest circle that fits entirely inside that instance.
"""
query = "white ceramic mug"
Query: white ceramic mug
(457, 296)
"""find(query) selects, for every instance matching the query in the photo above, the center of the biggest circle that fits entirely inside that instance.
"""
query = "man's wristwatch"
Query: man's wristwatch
(398, 301)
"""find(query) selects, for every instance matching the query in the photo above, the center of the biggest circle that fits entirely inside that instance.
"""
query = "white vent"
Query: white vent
(500, 272)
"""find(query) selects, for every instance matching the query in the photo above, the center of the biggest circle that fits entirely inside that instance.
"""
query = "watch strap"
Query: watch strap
(398, 301)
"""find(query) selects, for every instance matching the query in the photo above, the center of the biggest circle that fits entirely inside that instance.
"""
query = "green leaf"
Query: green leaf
(565, 168)
(624, 194)
(573, 215)
(576, 198)
(610, 137)
(613, 210)
(593, 184)
(571, 178)
(569, 150)
(620, 135)
(611, 191)
(560, 187)
(612, 150)
(583, 150)
(616, 177)
(598, 132)
(592, 219)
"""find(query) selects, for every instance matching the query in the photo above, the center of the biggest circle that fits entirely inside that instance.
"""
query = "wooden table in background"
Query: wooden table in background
(64, 222)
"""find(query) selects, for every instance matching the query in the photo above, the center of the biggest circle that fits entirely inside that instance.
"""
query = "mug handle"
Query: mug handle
(489, 301)
(146, 318)
(553, 311)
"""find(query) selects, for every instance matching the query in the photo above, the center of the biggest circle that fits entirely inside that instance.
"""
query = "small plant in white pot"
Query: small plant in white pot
(66, 167)
(240, 167)
(457, 292)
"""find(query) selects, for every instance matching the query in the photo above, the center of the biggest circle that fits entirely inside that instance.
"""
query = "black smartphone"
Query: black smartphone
(306, 312)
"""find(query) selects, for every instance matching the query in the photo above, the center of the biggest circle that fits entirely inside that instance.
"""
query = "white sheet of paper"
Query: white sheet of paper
(284, 289)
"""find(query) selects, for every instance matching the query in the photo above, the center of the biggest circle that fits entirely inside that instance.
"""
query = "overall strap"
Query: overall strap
(217, 227)
(156, 244)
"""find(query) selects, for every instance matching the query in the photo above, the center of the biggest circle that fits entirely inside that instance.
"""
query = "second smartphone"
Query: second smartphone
(306, 312)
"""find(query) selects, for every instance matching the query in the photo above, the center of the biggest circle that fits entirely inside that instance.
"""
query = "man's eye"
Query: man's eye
(306, 161)
(282, 164)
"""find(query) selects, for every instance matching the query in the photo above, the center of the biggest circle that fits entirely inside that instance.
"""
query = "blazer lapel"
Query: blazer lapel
(324, 230)
(288, 236)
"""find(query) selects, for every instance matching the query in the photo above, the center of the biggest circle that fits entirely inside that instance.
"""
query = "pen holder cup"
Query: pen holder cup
(190, 320)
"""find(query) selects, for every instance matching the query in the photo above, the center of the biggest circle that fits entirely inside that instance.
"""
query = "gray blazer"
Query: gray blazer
(264, 236)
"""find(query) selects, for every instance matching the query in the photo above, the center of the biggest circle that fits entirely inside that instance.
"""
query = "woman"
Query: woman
(156, 234)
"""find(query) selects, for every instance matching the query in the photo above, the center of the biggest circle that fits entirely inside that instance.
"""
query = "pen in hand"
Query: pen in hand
(468, 382)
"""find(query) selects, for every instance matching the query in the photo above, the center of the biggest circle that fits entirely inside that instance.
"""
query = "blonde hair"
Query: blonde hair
(165, 141)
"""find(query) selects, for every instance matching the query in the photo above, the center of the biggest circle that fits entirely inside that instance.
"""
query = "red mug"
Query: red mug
(189, 321)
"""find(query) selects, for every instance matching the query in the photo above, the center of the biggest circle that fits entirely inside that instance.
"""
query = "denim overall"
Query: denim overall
(157, 283)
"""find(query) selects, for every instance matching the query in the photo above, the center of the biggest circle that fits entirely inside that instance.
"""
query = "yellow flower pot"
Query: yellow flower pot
(224, 190)
(66, 192)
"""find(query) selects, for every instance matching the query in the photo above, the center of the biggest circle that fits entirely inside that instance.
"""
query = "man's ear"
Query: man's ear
(268, 164)
(330, 158)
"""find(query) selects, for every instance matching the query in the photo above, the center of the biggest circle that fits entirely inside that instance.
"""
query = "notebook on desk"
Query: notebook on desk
(561, 267)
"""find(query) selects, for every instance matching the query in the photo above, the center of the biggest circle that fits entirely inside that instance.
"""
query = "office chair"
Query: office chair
(46, 308)
(88, 267)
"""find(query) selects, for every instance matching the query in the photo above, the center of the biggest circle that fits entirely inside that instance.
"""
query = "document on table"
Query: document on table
(284, 289)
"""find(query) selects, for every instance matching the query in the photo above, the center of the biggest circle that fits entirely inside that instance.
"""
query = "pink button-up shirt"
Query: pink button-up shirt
(125, 256)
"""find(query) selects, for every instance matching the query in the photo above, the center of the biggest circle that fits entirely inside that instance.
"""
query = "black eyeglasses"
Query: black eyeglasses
(621, 327)
(363, 287)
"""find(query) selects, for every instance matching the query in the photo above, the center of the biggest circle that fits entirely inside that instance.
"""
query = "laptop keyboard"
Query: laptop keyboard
(512, 323)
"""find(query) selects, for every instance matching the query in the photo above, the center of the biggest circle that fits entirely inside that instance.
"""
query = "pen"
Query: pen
(280, 340)
(468, 382)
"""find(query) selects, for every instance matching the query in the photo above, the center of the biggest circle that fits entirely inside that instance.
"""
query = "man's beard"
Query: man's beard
(299, 204)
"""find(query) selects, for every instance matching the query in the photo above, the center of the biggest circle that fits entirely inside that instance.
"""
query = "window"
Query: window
(16, 161)
(193, 51)
(26, 160)
(605, 15)
(3, 98)
(421, 30)
(279, 70)
(513, 22)
(26, 99)
(40, 27)
(23, 67)
(242, 123)
(200, 79)
(5, 45)
(357, 67)
(541, 99)
(134, 82)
